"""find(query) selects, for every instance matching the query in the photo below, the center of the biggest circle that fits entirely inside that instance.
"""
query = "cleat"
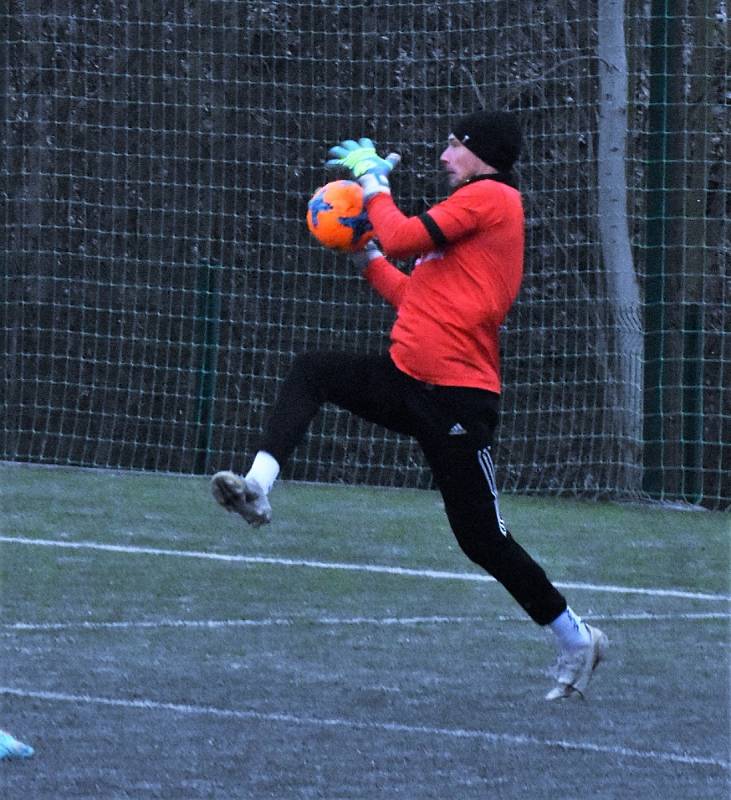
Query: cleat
(574, 668)
(242, 495)
(12, 748)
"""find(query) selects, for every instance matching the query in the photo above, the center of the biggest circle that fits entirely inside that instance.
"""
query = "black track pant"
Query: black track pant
(454, 427)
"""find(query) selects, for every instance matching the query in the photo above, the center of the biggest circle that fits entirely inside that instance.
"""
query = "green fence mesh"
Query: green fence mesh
(158, 276)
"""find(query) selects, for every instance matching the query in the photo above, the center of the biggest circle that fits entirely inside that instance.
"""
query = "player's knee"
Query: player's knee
(303, 364)
(317, 365)
(308, 377)
(484, 550)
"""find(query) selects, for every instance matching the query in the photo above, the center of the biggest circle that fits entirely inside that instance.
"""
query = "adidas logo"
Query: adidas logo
(457, 430)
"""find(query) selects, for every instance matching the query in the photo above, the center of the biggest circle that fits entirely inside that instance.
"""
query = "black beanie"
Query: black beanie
(493, 136)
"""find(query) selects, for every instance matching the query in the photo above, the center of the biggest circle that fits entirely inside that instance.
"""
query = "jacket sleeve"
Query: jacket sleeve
(387, 280)
(404, 237)
(400, 236)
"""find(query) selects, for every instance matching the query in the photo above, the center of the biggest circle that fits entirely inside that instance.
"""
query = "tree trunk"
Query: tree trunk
(625, 381)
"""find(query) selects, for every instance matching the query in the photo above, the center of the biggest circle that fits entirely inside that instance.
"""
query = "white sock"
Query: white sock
(570, 631)
(264, 470)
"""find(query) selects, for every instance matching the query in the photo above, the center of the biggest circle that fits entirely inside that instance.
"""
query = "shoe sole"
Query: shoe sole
(229, 491)
(224, 489)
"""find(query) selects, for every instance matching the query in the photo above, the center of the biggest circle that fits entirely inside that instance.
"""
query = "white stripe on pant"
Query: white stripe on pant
(488, 468)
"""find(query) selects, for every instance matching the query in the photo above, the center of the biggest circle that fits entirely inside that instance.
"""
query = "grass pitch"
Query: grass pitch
(153, 646)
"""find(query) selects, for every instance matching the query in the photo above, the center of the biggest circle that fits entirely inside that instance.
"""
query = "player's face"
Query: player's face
(460, 163)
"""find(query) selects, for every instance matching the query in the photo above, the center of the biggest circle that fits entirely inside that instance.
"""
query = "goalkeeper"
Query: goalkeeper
(440, 381)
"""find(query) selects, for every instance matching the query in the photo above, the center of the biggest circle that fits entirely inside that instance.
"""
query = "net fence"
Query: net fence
(158, 276)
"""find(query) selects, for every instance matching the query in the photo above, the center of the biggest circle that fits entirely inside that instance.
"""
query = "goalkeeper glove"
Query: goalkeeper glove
(368, 168)
(362, 258)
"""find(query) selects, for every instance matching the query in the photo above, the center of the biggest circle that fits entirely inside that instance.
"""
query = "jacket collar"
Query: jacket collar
(501, 177)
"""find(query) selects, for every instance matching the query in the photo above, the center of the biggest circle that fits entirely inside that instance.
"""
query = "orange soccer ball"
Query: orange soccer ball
(337, 218)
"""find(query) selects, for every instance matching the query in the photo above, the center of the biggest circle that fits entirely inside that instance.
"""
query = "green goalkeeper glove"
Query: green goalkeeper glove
(368, 168)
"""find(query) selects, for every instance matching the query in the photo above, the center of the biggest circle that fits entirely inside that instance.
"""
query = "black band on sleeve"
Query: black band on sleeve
(434, 230)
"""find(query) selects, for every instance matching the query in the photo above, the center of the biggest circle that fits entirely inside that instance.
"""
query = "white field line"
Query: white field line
(213, 624)
(383, 727)
(642, 616)
(334, 565)
(270, 622)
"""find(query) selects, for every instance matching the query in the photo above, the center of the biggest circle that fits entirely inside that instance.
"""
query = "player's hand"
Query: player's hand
(363, 257)
(360, 158)
(367, 167)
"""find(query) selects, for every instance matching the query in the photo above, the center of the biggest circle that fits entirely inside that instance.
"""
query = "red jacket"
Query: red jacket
(451, 306)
